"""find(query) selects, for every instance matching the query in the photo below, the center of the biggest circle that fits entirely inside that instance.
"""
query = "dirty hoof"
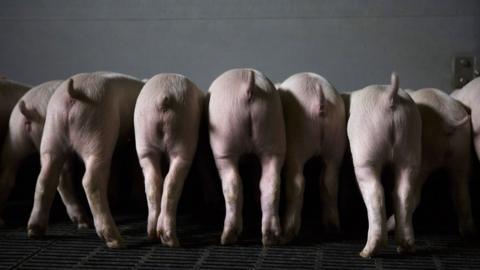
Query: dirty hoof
(152, 235)
(36, 231)
(115, 244)
(331, 225)
(406, 247)
(169, 239)
(271, 238)
(290, 232)
(369, 253)
(83, 225)
(229, 236)
(371, 250)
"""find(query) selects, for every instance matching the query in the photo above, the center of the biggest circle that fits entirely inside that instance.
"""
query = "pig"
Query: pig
(167, 120)
(246, 117)
(315, 125)
(23, 139)
(89, 114)
(469, 96)
(384, 129)
(446, 136)
(10, 93)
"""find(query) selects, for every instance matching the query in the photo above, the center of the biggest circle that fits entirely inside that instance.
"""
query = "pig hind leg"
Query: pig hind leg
(294, 189)
(406, 196)
(369, 182)
(47, 183)
(95, 181)
(172, 189)
(153, 189)
(95, 145)
(422, 177)
(270, 196)
(74, 209)
(233, 194)
(14, 149)
(461, 199)
(329, 194)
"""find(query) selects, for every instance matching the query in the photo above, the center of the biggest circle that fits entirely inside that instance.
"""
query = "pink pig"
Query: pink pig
(315, 126)
(469, 96)
(23, 139)
(446, 140)
(89, 114)
(10, 93)
(167, 120)
(245, 116)
(384, 129)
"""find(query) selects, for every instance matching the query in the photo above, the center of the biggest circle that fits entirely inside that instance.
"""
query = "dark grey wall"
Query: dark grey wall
(352, 43)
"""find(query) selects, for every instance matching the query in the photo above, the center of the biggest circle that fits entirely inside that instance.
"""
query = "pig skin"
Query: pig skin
(384, 128)
(245, 116)
(10, 93)
(23, 139)
(89, 114)
(315, 126)
(167, 120)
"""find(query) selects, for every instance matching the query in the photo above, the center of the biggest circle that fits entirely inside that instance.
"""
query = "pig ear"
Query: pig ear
(393, 89)
(29, 114)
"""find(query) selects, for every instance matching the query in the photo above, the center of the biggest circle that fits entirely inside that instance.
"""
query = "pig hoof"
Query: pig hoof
(115, 244)
(229, 237)
(373, 249)
(82, 222)
(331, 228)
(152, 235)
(331, 224)
(366, 254)
(271, 231)
(36, 231)
(290, 233)
(83, 225)
(369, 252)
(271, 239)
(406, 246)
(287, 238)
(168, 238)
(405, 249)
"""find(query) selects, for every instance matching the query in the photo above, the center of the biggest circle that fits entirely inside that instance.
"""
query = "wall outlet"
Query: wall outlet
(463, 70)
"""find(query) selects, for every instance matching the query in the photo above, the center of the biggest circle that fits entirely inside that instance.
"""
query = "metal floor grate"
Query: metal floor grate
(65, 247)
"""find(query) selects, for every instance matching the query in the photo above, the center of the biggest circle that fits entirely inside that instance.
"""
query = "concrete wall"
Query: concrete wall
(352, 43)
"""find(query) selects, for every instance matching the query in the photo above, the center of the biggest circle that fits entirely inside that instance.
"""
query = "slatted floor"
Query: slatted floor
(67, 248)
